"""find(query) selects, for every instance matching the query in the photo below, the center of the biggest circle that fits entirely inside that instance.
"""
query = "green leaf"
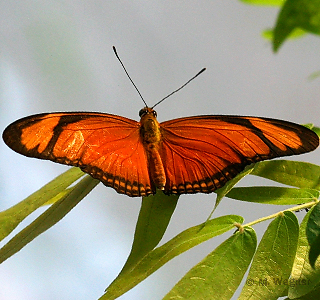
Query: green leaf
(264, 2)
(155, 214)
(153, 260)
(272, 263)
(313, 225)
(221, 272)
(294, 173)
(303, 275)
(313, 234)
(273, 195)
(230, 184)
(296, 33)
(304, 14)
(50, 217)
(315, 129)
(314, 252)
(314, 76)
(312, 127)
(313, 294)
(10, 218)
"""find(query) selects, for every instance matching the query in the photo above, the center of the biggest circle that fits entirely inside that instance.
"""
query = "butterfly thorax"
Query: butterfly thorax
(150, 127)
(151, 138)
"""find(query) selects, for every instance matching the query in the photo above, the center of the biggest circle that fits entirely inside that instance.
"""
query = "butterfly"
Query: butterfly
(183, 156)
(196, 154)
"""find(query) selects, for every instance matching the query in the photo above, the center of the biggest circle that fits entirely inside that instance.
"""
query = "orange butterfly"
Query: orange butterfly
(187, 155)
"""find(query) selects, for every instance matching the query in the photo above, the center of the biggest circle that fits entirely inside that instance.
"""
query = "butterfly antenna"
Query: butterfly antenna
(179, 87)
(124, 68)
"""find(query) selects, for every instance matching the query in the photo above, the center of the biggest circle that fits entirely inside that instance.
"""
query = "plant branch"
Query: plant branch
(295, 208)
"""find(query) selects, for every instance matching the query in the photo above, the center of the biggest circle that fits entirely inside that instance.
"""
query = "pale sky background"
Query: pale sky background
(57, 56)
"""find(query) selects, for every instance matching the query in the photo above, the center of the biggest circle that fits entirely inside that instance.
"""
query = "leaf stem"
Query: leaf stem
(295, 208)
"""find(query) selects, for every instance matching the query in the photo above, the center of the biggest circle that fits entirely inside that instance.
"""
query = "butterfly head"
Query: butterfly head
(147, 111)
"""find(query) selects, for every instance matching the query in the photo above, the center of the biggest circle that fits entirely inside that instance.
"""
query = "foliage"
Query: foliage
(279, 265)
(295, 18)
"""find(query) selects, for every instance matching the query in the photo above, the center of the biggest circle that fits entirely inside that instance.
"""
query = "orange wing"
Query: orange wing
(107, 147)
(202, 153)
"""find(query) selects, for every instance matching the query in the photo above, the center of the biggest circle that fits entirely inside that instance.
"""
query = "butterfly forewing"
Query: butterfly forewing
(202, 153)
(107, 147)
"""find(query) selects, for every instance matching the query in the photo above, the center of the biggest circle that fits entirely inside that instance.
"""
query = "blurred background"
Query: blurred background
(57, 56)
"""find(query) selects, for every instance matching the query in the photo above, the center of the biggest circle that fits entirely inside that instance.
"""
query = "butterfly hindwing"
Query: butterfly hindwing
(108, 147)
(202, 153)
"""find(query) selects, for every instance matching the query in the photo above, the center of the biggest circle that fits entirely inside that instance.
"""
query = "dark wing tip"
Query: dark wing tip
(11, 136)
(309, 140)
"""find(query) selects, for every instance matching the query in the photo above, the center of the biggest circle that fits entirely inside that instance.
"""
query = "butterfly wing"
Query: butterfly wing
(107, 147)
(202, 153)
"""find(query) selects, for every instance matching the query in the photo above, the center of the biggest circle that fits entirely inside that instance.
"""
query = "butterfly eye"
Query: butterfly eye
(154, 113)
(142, 112)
